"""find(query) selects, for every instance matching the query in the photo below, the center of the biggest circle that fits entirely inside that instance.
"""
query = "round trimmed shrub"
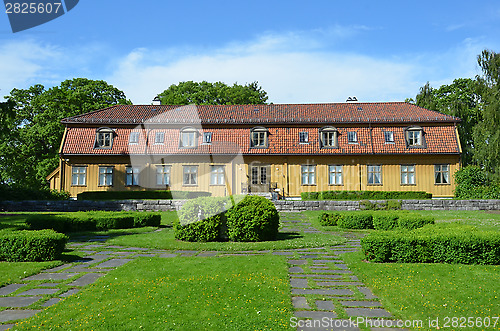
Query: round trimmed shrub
(201, 219)
(253, 219)
(356, 220)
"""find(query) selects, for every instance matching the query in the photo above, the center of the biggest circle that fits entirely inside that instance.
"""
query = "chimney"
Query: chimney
(352, 99)
(156, 101)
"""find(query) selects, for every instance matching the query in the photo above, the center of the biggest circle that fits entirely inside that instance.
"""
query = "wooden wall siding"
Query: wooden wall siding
(285, 172)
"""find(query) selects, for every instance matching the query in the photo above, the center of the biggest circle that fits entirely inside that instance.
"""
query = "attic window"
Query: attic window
(303, 137)
(352, 137)
(207, 137)
(159, 137)
(414, 137)
(259, 137)
(188, 138)
(133, 138)
(328, 137)
(104, 138)
(389, 136)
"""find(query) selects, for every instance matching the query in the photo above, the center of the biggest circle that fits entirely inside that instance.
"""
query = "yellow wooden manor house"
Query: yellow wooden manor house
(233, 149)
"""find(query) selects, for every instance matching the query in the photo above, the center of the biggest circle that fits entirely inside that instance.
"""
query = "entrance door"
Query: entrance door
(260, 177)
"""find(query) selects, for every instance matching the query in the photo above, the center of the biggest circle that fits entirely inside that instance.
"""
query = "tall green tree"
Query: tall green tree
(487, 132)
(205, 93)
(29, 152)
(461, 99)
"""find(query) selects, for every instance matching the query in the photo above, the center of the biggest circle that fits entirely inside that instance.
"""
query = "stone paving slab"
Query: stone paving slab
(105, 252)
(300, 303)
(325, 305)
(51, 302)
(360, 303)
(185, 251)
(323, 291)
(323, 277)
(295, 270)
(59, 268)
(282, 253)
(298, 282)
(39, 291)
(123, 253)
(315, 314)
(339, 283)
(309, 256)
(167, 255)
(113, 263)
(86, 279)
(367, 312)
(52, 276)
(145, 255)
(337, 271)
(49, 285)
(134, 249)
(16, 302)
(12, 315)
(6, 290)
(69, 293)
(207, 254)
(367, 292)
(297, 262)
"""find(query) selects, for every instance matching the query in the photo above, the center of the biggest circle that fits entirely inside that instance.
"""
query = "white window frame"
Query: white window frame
(408, 174)
(163, 172)
(133, 139)
(374, 174)
(308, 174)
(259, 137)
(389, 136)
(187, 138)
(106, 175)
(303, 137)
(159, 138)
(217, 175)
(328, 137)
(79, 176)
(104, 138)
(352, 137)
(207, 137)
(132, 175)
(335, 174)
(442, 174)
(190, 175)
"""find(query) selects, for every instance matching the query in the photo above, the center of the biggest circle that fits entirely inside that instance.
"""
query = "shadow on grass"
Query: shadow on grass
(288, 236)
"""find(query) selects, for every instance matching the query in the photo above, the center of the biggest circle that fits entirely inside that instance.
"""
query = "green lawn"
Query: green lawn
(418, 291)
(194, 293)
(12, 272)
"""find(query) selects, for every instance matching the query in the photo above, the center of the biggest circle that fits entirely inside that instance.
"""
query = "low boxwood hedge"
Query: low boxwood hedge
(31, 246)
(329, 219)
(140, 195)
(364, 195)
(356, 220)
(434, 244)
(92, 221)
(202, 219)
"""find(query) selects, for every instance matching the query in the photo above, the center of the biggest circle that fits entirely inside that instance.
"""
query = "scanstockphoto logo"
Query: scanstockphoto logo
(25, 15)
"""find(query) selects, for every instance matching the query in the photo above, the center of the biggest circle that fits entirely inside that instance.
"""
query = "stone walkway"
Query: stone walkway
(324, 290)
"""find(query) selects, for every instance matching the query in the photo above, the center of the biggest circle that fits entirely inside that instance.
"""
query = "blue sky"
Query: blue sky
(299, 51)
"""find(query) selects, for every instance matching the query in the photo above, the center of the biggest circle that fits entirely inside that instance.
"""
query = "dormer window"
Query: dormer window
(414, 137)
(303, 137)
(259, 137)
(159, 137)
(389, 136)
(133, 138)
(207, 137)
(328, 137)
(104, 138)
(188, 138)
(352, 137)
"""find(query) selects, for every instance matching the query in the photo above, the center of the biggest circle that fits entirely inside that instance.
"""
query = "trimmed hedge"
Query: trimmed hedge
(92, 221)
(253, 219)
(434, 244)
(364, 195)
(32, 246)
(202, 219)
(19, 193)
(329, 219)
(356, 220)
(140, 195)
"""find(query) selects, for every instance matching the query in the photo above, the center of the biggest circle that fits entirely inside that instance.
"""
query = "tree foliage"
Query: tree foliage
(218, 93)
(28, 151)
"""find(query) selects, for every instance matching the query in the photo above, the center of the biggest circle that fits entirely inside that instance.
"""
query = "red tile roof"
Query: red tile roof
(440, 139)
(390, 112)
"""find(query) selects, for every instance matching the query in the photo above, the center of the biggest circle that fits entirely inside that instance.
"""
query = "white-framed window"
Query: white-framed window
(389, 136)
(104, 138)
(190, 175)
(159, 137)
(133, 138)
(374, 174)
(442, 174)
(105, 176)
(335, 175)
(352, 137)
(188, 138)
(217, 175)
(259, 137)
(408, 174)
(163, 175)
(207, 137)
(328, 137)
(132, 175)
(78, 175)
(414, 137)
(303, 137)
(308, 174)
